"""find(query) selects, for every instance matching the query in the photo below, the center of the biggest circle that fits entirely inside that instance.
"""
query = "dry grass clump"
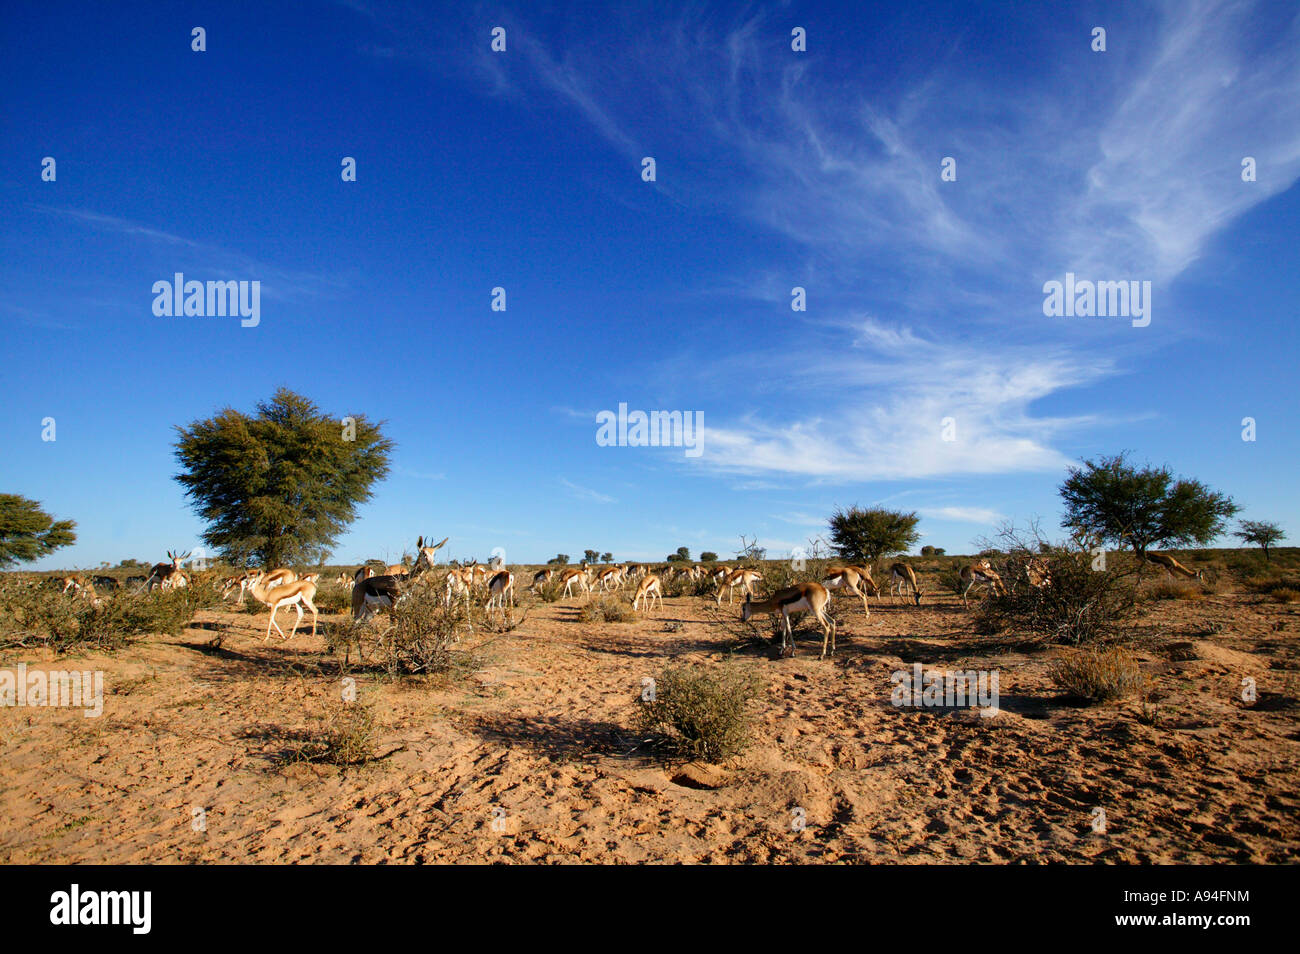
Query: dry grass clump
(1170, 589)
(607, 609)
(1099, 676)
(700, 714)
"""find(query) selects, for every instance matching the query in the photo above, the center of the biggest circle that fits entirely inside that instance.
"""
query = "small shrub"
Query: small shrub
(419, 635)
(701, 714)
(1284, 594)
(1099, 676)
(348, 738)
(607, 609)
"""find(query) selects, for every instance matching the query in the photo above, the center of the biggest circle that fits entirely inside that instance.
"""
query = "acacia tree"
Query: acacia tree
(28, 533)
(1261, 533)
(867, 535)
(279, 486)
(1114, 502)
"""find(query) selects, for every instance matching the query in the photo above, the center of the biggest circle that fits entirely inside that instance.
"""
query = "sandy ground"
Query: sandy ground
(531, 756)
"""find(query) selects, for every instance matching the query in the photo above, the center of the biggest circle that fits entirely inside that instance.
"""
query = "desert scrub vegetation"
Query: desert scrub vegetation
(607, 609)
(1099, 675)
(701, 714)
(348, 738)
(1082, 605)
(1173, 590)
(70, 624)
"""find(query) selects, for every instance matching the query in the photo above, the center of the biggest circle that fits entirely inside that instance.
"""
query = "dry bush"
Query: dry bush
(1284, 594)
(72, 624)
(607, 609)
(418, 635)
(1276, 586)
(700, 713)
(1099, 675)
(1081, 606)
(348, 738)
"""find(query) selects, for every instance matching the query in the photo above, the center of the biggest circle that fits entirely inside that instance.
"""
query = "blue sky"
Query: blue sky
(774, 169)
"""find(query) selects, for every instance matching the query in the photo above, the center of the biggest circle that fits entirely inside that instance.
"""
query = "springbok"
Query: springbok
(167, 574)
(851, 579)
(903, 576)
(568, 578)
(372, 593)
(295, 594)
(1172, 566)
(981, 574)
(648, 589)
(742, 578)
(425, 556)
(500, 588)
(540, 579)
(802, 597)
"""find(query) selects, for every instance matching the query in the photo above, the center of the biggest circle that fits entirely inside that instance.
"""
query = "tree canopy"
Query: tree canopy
(1262, 533)
(1114, 502)
(868, 534)
(279, 486)
(28, 533)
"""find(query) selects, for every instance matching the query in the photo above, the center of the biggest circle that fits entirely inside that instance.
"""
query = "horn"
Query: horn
(419, 543)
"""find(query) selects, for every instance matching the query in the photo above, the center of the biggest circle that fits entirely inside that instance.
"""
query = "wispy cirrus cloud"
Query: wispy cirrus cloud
(586, 493)
(190, 254)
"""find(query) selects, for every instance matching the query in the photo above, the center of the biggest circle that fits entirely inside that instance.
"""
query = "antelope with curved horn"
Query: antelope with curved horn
(903, 577)
(167, 574)
(425, 555)
(800, 598)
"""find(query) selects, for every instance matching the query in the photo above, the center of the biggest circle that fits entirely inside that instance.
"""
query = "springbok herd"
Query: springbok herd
(373, 591)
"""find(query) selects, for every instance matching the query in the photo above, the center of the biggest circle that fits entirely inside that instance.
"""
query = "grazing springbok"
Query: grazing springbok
(167, 574)
(851, 579)
(500, 588)
(569, 578)
(540, 579)
(981, 574)
(802, 597)
(742, 578)
(1172, 566)
(647, 590)
(902, 577)
(373, 593)
(295, 594)
(459, 582)
(609, 577)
